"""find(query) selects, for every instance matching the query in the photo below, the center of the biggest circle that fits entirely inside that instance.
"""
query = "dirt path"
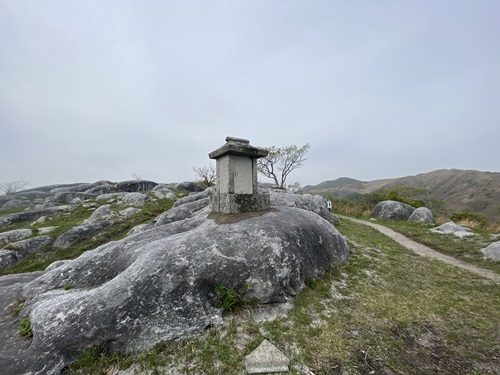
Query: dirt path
(426, 251)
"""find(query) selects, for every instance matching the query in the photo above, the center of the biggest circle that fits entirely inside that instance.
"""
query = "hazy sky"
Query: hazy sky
(93, 90)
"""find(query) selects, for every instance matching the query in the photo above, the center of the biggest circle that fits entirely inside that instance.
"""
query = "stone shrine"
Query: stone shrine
(236, 170)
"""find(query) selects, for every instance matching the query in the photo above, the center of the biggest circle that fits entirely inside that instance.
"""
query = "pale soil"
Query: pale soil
(426, 251)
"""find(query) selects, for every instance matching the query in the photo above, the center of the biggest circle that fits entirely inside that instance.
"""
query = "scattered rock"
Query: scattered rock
(7, 258)
(422, 215)
(194, 197)
(101, 189)
(19, 250)
(73, 188)
(452, 228)
(40, 220)
(135, 185)
(14, 235)
(136, 199)
(492, 252)
(86, 230)
(266, 359)
(102, 213)
(76, 201)
(129, 211)
(46, 230)
(67, 197)
(314, 203)
(16, 203)
(392, 210)
(31, 215)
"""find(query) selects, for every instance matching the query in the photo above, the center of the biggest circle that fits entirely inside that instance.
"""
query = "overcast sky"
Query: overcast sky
(93, 90)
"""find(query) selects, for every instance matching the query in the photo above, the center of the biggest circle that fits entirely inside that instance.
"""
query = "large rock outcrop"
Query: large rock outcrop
(158, 284)
(422, 215)
(392, 210)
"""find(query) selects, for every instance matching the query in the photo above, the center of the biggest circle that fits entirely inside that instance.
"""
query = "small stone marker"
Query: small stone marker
(266, 359)
(236, 169)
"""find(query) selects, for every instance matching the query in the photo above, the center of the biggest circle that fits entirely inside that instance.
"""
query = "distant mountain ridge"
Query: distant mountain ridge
(458, 190)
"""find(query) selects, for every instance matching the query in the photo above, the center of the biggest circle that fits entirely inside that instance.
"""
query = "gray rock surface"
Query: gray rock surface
(314, 203)
(31, 215)
(265, 359)
(129, 211)
(158, 284)
(67, 197)
(14, 235)
(101, 189)
(452, 228)
(15, 203)
(16, 251)
(73, 188)
(135, 185)
(392, 210)
(11, 346)
(186, 186)
(492, 251)
(422, 215)
(102, 213)
(7, 258)
(86, 230)
(136, 199)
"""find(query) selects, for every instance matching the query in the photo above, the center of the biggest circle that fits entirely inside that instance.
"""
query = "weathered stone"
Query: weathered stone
(266, 359)
(188, 186)
(15, 203)
(23, 248)
(67, 197)
(422, 215)
(101, 189)
(181, 212)
(492, 252)
(73, 188)
(452, 228)
(14, 235)
(31, 215)
(135, 185)
(129, 211)
(45, 230)
(194, 197)
(86, 230)
(392, 210)
(7, 258)
(236, 169)
(102, 213)
(158, 285)
(56, 264)
(136, 199)
(314, 203)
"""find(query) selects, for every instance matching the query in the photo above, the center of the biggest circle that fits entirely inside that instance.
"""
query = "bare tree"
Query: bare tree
(280, 162)
(206, 174)
(136, 176)
(12, 186)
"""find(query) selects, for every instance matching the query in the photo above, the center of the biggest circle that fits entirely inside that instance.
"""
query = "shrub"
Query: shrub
(25, 328)
(471, 218)
(227, 298)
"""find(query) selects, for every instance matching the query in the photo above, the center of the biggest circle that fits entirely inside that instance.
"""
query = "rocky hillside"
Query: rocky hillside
(458, 190)
(155, 264)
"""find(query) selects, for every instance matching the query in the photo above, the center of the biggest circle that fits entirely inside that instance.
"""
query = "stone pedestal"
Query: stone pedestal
(236, 168)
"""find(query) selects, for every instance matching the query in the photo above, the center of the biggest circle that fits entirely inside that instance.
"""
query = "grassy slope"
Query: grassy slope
(385, 311)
